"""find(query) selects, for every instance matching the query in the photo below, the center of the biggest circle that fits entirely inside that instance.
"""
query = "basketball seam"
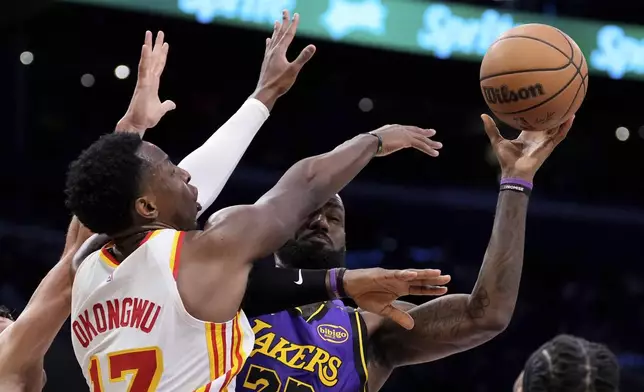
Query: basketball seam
(575, 97)
(532, 69)
(540, 40)
(583, 59)
(526, 70)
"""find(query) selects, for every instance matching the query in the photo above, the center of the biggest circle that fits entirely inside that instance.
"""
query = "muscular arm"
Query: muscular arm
(458, 322)
(246, 233)
(27, 340)
(217, 261)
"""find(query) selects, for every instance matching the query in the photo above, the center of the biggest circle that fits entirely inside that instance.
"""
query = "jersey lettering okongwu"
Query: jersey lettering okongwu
(323, 351)
(131, 332)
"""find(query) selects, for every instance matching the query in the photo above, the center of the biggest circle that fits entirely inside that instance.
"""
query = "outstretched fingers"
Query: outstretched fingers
(289, 34)
(438, 280)
(409, 275)
(398, 316)
(305, 55)
(282, 28)
(427, 290)
(420, 140)
(158, 43)
(563, 130)
(161, 59)
(552, 138)
(420, 282)
(491, 130)
(426, 145)
(146, 55)
(153, 58)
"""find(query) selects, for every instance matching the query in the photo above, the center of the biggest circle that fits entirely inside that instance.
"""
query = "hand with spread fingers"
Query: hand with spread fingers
(375, 289)
(278, 74)
(397, 137)
(523, 156)
(146, 109)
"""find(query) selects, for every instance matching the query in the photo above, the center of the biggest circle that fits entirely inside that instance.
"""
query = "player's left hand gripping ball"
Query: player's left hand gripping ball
(375, 289)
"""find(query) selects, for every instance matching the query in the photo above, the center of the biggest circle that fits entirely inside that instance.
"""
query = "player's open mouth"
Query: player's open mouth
(199, 207)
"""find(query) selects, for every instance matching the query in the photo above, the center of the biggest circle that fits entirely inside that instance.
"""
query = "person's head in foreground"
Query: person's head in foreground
(320, 242)
(570, 364)
(122, 182)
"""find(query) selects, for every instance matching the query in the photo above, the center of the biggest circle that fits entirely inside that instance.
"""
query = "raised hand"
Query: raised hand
(523, 156)
(396, 137)
(375, 289)
(146, 109)
(278, 74)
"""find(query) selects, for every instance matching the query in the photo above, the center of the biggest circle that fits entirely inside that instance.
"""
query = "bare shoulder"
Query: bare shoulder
(243, 231)
(225, 216)
(224, 227)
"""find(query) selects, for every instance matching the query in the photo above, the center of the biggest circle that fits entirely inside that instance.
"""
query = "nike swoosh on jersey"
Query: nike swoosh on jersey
(299, 280)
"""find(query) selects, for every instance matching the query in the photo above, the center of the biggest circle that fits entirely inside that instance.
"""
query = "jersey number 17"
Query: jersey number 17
(144, 364)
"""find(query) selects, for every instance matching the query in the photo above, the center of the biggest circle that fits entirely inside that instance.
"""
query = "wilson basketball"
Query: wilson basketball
(534, 77)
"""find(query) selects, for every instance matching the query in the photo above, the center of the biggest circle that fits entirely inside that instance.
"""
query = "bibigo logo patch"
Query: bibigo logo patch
(333, 333)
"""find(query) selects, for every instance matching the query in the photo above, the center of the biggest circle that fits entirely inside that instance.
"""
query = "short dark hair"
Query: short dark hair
(5, 313)
(103, 183)
(571, 364)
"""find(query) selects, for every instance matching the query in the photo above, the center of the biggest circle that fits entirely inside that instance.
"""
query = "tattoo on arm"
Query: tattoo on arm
(458, 322)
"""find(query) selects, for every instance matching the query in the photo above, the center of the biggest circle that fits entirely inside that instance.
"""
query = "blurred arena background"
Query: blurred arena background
(67, 70)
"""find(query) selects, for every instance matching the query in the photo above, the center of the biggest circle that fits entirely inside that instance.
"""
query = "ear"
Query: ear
(146, 208)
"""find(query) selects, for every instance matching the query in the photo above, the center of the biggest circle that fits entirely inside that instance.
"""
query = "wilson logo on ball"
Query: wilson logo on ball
(496, 95)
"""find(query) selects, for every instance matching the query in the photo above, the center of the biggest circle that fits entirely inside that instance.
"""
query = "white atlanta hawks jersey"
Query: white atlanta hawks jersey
(131, 332)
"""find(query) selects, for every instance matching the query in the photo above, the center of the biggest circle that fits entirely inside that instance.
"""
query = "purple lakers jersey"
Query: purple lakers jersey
(297, 352)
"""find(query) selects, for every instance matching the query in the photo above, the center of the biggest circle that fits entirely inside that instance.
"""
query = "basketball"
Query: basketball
(534, 77)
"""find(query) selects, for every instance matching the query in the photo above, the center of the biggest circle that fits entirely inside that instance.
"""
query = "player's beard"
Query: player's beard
(310, 255)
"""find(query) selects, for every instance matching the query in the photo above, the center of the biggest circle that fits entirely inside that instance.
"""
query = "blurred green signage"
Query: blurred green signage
(438, 29)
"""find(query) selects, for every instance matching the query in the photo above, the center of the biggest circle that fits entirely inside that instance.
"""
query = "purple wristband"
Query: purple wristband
(512, 180)
(333, 280)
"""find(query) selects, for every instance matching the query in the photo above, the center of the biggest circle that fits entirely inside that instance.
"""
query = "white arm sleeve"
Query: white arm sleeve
(212, 164)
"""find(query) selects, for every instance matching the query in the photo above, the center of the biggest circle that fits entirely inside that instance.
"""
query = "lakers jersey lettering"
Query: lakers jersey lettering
(310, 358)
(293, 353)
(131, 332)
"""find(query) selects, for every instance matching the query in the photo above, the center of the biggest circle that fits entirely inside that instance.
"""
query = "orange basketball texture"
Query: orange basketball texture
(534, 77)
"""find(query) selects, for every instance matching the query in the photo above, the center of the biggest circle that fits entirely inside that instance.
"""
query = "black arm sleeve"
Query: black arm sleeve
(271, 289)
